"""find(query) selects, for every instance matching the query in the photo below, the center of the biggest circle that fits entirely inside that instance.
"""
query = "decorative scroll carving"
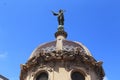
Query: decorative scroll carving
(74, 57)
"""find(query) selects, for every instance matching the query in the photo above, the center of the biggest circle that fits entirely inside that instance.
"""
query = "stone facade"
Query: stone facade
(62, 63)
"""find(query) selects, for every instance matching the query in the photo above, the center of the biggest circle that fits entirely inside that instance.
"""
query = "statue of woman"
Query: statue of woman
(60, 17)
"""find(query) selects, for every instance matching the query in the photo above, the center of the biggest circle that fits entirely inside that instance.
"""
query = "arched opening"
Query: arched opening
(42, 76)
(77, 76)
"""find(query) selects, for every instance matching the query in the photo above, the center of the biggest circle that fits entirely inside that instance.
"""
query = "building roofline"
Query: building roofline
(3, 77)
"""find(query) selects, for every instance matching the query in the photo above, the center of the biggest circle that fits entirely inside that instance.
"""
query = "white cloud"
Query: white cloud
(3, 55)
(105, 78)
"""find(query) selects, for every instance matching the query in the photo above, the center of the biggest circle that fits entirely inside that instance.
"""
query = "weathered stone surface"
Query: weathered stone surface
(67, 59)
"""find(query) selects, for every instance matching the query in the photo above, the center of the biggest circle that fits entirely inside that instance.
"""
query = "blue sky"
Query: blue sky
(25, 24)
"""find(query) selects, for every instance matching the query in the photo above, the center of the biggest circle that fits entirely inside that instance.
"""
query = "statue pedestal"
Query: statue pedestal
(60, 28)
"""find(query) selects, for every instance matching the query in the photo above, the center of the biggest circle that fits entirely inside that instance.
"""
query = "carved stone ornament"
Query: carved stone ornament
(75, 57)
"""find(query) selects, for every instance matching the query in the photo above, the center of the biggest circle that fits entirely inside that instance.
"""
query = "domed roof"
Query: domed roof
(67, 46)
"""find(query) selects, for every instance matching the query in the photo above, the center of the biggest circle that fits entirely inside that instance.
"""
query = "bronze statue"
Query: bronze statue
(60, 17)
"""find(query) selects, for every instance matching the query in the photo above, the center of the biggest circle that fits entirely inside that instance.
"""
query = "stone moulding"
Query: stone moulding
(77, 56)
(59, 32)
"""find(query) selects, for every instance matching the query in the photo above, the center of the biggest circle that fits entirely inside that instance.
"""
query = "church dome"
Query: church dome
(61, 59)
(67, 46)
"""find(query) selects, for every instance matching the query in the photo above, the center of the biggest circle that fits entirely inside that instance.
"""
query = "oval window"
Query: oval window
(42, 76)
(77, 76)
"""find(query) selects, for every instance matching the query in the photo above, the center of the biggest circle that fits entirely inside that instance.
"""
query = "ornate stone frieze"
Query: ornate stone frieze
(75, 57)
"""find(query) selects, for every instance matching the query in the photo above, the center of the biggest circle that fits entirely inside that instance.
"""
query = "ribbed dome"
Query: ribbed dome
(67, 46)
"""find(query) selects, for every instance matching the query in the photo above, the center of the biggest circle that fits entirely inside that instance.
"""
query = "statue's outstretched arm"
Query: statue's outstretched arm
(55, 14)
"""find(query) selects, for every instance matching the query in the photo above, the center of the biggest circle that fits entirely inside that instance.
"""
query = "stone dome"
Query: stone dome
(61, 58)
(67, 46)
